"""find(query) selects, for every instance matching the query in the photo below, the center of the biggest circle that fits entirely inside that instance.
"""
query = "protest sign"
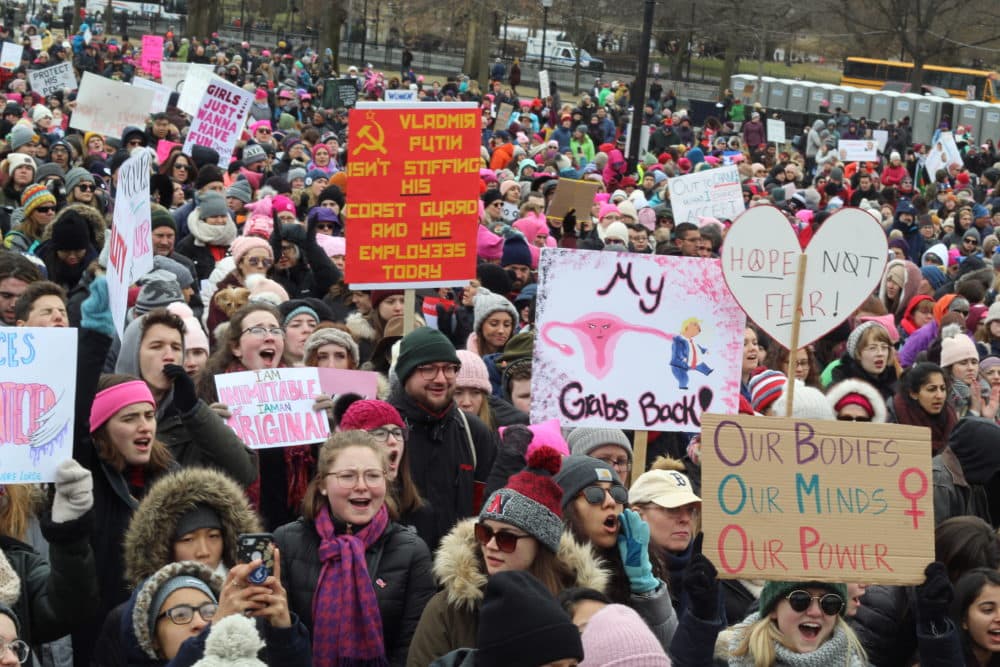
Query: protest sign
(52, 79)
(503, 116)
(775, 131)
(816, 500)
(714, 193)
(760, 258)
(131, 237)
(881, 138)
(10, 55)
(572, 194)
(340, 93)
(544, 87)
(152, 54)
(193, 89)
(634, 341)
(402, 95)
(274, 407)
(36, 42)
(37, 402)
(942, 152)
(644, 133)
(108, 107)
(337, 381)
(173, 74)
(161, 94)
(857, 150)
(220, 120)
(414, 174)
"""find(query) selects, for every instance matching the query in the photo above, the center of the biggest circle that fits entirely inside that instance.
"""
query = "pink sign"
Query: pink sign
(335, 381)
(152, 54)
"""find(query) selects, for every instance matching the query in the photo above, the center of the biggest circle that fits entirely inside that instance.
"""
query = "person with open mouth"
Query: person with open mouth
(977, 601)
(869, 356)
(797, 618)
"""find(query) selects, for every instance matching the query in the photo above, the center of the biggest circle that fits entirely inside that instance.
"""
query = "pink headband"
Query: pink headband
(113, 399)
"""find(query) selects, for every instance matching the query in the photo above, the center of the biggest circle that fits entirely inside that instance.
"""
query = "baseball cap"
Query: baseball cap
(666, 488)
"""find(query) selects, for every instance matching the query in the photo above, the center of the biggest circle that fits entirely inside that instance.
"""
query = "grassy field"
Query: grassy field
(711, 68)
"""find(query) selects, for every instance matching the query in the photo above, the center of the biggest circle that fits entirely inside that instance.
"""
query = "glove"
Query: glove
(185, 396)
(935, 595)
(633, 545)
(702, 587)
(74, 492)
(95, 311)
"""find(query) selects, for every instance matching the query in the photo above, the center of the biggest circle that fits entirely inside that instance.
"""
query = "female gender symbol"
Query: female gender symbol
(914, 496)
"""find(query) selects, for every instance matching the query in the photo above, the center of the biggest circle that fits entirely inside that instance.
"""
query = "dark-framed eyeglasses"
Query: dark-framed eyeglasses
(383, 433)
(86, 187)
(831, 604)
(183, 614)
(849, 418)
(595, 494)
(506, 541)
(430, 371)
(183, 166)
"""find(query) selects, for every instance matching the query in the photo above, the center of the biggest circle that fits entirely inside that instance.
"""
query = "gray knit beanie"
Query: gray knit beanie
(332, 336)
(211, 204)
(582, 441)
(855, 338)
(77, 175)
(253, 153)
(579, 472)
(531, 500)
(241, 190)
(486, 304)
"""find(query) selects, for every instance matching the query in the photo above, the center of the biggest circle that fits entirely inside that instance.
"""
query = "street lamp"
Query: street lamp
(546, 5)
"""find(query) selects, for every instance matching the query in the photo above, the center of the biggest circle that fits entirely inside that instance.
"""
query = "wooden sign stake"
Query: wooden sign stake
(793, 349)
(409, 310)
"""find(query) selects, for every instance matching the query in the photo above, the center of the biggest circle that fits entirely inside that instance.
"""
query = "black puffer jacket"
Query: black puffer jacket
(399, 562)
(886, 625)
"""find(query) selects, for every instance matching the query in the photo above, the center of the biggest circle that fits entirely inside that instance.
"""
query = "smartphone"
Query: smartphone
(256, 546)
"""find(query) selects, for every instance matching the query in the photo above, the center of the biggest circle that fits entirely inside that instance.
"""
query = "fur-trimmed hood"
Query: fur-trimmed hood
(149, 540)
(360, 327)
(457, 567)
(853, 386)
(95, 221)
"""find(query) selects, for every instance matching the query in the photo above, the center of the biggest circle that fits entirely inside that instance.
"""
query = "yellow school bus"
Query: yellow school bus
(958, 81)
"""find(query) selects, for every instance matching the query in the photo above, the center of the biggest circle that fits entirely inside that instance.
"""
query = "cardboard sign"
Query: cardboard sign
(10, 55)
(52, 79)
(274, 408)
(634, 341)
(173, 74)
(193, 89)
(942, 152)
(544, 87)
(152, 54)
(161, 94)
(775, 131)
(339, 93)
(404, 95)
(414, 174)
(337, 381)
(131, 237)
(760, 259)
(37, 402)
(503, 116)
(220, 120)
(572, 194)
(108, 107)
(712, 193)
(857, 150)
(36, 42)
(795, 500)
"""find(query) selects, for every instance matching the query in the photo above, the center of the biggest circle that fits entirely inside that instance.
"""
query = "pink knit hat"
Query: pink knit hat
(282, 204)
(194, 334)
(606, 209)
(490, 246)
(258, 225)
(617, 636)
(473, 374)
(243, 244)
(332, 245)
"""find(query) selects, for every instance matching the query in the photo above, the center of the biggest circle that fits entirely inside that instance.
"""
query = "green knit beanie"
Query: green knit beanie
(423, 345)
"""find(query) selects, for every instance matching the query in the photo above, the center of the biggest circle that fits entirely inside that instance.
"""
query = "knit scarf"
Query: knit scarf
(908, 411)
(835, 652)
(10, 583)
(217, 235)
(347, 624)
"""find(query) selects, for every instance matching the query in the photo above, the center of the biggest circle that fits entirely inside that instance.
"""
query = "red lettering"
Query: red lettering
(722, 549)
(804, 545)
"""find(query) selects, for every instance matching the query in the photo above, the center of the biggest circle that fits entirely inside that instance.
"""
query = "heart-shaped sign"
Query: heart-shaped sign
(760, 258)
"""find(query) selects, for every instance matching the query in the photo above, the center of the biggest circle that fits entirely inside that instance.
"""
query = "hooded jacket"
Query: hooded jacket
(451, 618)
(64, 275)
(911, 283)
(198, 437)
(910, 231)
(965, 473)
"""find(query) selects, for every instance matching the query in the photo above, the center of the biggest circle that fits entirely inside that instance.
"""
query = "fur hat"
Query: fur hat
(474, 374)
(487, 303)
(583, 440)
(860, 393)
(153, 592)
(531, 500)
(332, 336)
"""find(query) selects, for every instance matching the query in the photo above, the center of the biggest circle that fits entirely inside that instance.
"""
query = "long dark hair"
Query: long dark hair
(618, 586)
(967, 590)
(916, 377)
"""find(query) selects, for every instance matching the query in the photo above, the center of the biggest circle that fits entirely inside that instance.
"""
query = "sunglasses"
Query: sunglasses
(85, 187)
(324, 225)
(848, 418)
(595, 494)
(181, 166)
(831, 604)
(506, 542)
(45, 209)
(263, 131)
(258, 261)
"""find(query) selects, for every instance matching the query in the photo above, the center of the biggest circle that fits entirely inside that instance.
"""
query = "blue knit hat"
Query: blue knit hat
(515, 251)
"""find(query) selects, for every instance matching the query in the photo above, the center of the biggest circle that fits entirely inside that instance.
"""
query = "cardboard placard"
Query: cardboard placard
(193, 89)
(131, 236)
(337, 381)
(152, 54)
(775, 131)
(414, 174)
(881, 138)
(544, 87)
(52, 79)
(37, 402)
(108, 107)
(942, 152)
(644, 134)
(36, 42)
(857, 150)
(161, 94)
(603, 317)
(712, 193)
(572, 194)
(504, 113)
(339, 93)
(796, 500)
(760, 258)
(10, 55)
(173, 73)
(274, 407)
(219, 122)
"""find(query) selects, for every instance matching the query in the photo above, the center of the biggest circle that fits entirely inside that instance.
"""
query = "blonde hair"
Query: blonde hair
(18, 503)
(759, 640)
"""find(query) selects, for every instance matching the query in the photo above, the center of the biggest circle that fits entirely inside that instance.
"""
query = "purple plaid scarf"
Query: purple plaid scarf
(347, 625)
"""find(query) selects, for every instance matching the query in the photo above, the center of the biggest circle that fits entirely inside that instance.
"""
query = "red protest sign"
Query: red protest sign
(413, 210)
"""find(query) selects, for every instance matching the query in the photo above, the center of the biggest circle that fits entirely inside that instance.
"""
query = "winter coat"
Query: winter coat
(451, 455)
(399, 565)
(55, 596)
(200, 255)
(886, 625)
(451, 618)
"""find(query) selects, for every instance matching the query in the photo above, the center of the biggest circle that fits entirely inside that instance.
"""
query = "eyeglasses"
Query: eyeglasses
(595, 494)
(263, 130)
(261, 332)
(324, 225)
(348, 479)
(18, 648)
(430, 371)
(182, 166)
(86, 187)
(496, 204)
(286, 249)
(183, 614)
(45, 209)
(969, 241)
(382, 434)
(260, 261)
(506, 541)
(848, 418)
(618, 464)
(136, 142)
(831, 604)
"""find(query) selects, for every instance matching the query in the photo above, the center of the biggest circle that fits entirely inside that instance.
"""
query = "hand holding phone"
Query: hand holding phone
(251, 547)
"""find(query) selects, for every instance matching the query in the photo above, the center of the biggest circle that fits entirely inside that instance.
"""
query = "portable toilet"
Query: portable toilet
(739, 84)
(839, 97)
(927, 113)
(969, 114)
(859, 102)
(903, 106)
(989, 127)
(765, 90)
(777, 95)
(819, 94)
(881, 105)
(798, 96)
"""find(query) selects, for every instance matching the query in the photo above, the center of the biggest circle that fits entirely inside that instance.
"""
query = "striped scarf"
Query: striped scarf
(347, 624)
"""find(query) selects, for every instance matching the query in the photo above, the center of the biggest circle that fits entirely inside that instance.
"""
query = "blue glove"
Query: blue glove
(95, 311)
(633, 545)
